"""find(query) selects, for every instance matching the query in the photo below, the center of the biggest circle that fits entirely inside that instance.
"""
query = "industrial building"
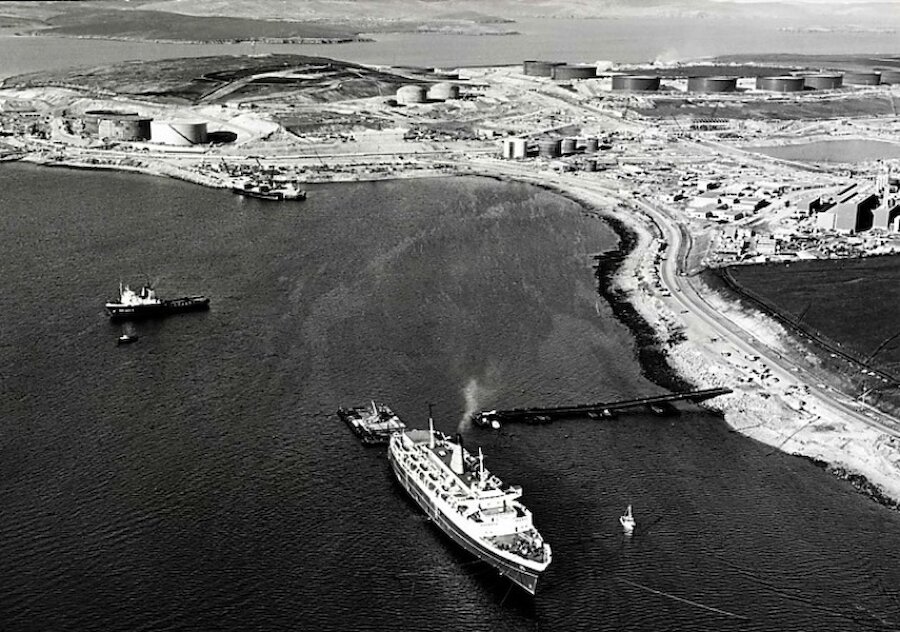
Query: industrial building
(443, 91)
(710, 124)
(180, 133)
(635, 83)
(823, 81)
(780, 83)
(852, 214)
(411, 94)
(886, 217)
(113, 125)
(566, 72)
(862, 78)
(712, 84)
(536, 68)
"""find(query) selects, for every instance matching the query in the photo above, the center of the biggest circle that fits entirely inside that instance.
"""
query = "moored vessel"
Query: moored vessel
(144, 303)
(471, 505)
(280, 192)
(373, 424)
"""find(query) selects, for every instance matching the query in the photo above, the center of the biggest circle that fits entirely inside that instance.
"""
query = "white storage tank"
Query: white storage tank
(443, 91)
(182, 133)
(411, 94)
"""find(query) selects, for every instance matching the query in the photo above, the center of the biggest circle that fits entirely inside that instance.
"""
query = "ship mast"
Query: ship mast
(480, 466)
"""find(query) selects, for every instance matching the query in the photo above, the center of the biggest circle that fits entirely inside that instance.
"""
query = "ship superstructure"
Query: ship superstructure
(470, 504)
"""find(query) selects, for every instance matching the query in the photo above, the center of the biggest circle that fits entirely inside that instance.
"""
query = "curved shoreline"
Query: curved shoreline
(666, 356)
(671, 359)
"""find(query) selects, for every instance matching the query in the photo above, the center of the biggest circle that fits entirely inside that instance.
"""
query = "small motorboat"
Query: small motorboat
(627, 521)
(126, 339)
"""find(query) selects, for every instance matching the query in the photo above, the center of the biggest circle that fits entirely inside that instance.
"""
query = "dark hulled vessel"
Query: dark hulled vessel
(133, 305)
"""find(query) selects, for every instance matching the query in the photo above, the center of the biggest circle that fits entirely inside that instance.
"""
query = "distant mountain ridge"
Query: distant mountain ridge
(378, 10)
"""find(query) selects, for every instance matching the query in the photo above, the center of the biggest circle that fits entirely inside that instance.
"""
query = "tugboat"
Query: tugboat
(133, 305)
(374, 424)
(627, 521)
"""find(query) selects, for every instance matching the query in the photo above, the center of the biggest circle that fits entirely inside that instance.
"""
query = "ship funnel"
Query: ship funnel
(457, 464)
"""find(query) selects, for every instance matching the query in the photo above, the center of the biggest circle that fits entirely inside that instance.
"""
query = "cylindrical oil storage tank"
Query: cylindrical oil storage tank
(568, 72)
(549, 147)
(519, 148)
(862, 78)
(591, 145)
(537, 68)
(178, 132)
(780, 83)
(590, 165)
(443, 91)
(116, 125)
(712, 84)
(411, 94)
(124, 127)
(890, 75)
(824, 81)
(635, 83)
(567, 146)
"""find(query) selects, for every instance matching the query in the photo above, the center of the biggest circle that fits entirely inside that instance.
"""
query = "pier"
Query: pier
(659, 404)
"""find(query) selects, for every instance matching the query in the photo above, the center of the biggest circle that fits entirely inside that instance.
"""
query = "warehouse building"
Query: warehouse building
(886, 217)
(853, 214)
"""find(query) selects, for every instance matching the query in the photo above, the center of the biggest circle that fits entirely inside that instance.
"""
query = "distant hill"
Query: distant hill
(295, 20)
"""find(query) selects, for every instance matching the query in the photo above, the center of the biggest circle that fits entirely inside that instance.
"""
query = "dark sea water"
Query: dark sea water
(199, 479)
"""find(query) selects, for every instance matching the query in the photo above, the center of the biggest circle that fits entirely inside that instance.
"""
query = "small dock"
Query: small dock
(658, 404)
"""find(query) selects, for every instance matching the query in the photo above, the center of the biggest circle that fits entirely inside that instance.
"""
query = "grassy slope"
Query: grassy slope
(187, 80)
(851, 301)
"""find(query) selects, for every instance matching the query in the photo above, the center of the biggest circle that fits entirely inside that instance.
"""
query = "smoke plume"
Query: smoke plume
(472, 394)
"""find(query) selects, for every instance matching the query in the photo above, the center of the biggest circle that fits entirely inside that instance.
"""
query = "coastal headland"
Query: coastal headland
(681, 179)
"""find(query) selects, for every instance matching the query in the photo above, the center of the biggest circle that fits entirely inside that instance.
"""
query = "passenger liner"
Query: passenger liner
(470, 504)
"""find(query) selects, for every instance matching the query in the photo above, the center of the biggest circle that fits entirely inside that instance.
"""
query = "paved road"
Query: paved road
(685, 294)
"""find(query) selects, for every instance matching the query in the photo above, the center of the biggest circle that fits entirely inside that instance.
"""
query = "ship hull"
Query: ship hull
(173, 306)
(520, 575)
(274, 196)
